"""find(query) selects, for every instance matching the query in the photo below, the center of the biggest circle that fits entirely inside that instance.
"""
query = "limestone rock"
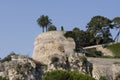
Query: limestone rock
(20, 67)
(116, 71)
(57, 52)
(105, 51)
(109, 68)
(50, 43)
(76, 62)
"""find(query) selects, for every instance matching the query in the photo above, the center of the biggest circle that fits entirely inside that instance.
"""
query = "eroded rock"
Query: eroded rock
(51, 43)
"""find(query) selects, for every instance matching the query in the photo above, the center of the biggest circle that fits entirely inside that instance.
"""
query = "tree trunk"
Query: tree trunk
(42, 29)
(46, 29)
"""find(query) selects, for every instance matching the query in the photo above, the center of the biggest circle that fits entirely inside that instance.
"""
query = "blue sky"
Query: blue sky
(18, 26)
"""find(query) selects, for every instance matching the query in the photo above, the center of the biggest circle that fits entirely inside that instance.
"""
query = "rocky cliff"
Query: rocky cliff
(109, 68)
(53, 51)
(57, 52)
(20, 67)
(50, 43)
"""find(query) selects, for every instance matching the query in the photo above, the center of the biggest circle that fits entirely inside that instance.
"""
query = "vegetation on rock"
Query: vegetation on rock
(44, 21)
(115, 48)
(100, 26)
(103, 78)
(3, 78)
(65, 75)
(52, 28)
(19, 67)
(81, 38)
(83, 59)
(86, 38)
(94, 53)
(7, 58)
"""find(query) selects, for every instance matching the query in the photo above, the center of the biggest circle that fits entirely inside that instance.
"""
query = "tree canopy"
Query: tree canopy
(43, 21)
(116, 24)
(100, 26)
(116, 21)
(98, 30)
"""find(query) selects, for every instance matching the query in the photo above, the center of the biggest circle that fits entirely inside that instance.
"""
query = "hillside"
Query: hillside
(109, 68)
(53, 51)
(20, 67)
(115, 48)
(111, 50)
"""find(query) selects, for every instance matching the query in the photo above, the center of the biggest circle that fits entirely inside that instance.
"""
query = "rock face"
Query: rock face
(57, 52)
(72, 62)
(20, 67)
(50, 43)
(109, 68)
(51, 51)
(106, 51)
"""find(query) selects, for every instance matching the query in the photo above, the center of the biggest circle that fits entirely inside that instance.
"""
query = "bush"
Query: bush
(69, 34)
(3, 78)
(115, 48)
(8, 58)
(107, 56)
(52, 28)
(17, 79)
(65, 75)
(83, 59)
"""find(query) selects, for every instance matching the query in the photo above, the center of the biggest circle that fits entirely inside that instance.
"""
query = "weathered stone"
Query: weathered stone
(50, 43)
(105, 51)
(57, 52)
(21, 67)
(108, 68)
(115, 70)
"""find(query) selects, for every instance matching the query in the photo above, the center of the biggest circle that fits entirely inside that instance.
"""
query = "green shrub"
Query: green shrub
(69, 34)
(7, 58)
(52, 28)
(65, 75)
(83, 59)
(17, 79)
(3, 78)
(107, 56)
(115, 48)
